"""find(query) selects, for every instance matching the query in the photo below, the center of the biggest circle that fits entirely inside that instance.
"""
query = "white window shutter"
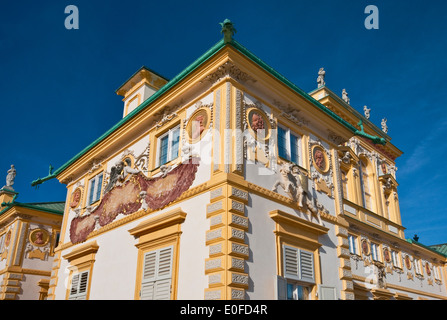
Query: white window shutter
(79, 286)
(157, 274)
(291, 263)
(281, 288)
(327, 293)
(307, 266)
(164, 274)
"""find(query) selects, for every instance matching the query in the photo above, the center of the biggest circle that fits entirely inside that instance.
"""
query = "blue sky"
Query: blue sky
(58, 85)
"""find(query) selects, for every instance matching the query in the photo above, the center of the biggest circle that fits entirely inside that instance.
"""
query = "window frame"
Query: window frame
(395, 259)
(353, 244)
(169, 134)
(161, 276)
(92, 194)
(288, 141)
(375, 252)
(79, 295)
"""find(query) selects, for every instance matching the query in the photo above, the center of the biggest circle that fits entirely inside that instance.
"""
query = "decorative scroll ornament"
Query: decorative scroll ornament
(291, 113)
(228, 69)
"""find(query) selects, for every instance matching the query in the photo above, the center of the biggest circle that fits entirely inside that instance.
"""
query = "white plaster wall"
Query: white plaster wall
(114, 271)
(329, 262)
(261, 264)
(29, 287)
(145, 92)
(193, 251)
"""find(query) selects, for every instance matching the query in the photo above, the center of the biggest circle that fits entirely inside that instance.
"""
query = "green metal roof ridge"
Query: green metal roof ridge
(208, 54)
(9, 205)
(287, 82)
(426, 247)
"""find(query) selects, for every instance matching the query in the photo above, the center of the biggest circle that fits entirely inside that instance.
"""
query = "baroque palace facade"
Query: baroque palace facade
(229, 182)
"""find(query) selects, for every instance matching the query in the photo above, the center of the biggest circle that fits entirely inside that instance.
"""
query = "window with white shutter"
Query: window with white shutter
(79, 286)
(298, 264)
(157, 274)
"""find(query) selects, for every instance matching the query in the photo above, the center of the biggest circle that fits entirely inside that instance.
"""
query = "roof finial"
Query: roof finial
(228, 30)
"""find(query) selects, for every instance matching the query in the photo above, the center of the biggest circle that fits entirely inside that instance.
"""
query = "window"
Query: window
(436, 273)
(297, 292)
(79, 286)
(168, 146)
(417, 266)
(298, 272)
(157, 274)
(395, 259)
(353, 249)
(344, 184)
(288, 145)
(375, 252)
(365, 187)
(95, 186)
(298, 264)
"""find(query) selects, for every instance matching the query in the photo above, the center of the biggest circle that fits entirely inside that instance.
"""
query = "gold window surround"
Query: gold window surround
(81, 259)
(157, 232)
(302, 234)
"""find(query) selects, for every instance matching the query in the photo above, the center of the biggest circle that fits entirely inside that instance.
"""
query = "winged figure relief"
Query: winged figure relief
(135, 193)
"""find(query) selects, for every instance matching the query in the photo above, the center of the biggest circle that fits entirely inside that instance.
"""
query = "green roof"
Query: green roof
(441, 248)
(442, 251)
(50, 207)
(182, 75)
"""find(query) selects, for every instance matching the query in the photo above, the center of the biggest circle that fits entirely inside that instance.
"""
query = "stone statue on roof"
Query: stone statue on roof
(384, 126)
(10, 177)
(320, 79)
(344, 96)
(366, 110)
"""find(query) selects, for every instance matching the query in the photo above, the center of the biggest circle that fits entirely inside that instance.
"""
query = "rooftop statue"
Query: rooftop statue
(320, 79)
(384, 126)
(344, 96)
(10, 177)
(366, 110)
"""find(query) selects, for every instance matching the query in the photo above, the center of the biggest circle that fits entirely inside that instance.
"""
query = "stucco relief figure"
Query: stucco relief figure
(320, 79)
(291, 182)
(10, 177)
(294, 184)
(119, 172)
